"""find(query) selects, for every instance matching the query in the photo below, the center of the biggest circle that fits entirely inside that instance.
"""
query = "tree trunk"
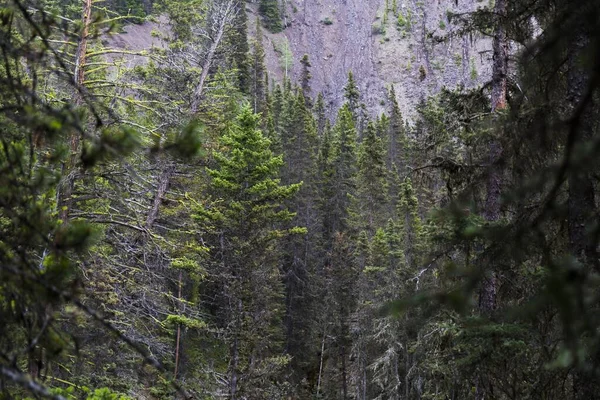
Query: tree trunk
(178, 328)
(344, 373)
(224, 17)
(491, 213)
(235, 354)
(162, 185)
(321, 361)
(68, 172)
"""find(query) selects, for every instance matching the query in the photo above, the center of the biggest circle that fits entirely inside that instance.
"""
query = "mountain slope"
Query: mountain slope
(350, 35)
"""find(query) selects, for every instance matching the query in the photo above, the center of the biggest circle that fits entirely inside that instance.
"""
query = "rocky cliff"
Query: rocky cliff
(411, 44)
(400, 46)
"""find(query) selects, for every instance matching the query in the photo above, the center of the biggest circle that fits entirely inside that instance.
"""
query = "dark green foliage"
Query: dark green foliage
(239, 42)
(319, 111)
(371, 196)
(269, 10)
(258, 75)
(352, 96)
(305, 79)
(339, 175)
(258, 252)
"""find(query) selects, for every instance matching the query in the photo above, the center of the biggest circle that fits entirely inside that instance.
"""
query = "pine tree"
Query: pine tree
(320, 117)
(243, 219)
(305, 78)
(371, 197)
(300, 256)
(239, 40)
(352, 96)
(269, 10)
(258, 71)
(338, 176)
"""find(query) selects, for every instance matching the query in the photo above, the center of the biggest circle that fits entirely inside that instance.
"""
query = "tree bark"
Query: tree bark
(488, 291)
(164, 179)
(321, 358)
(222, 18)
(491, 212)
(178, 328)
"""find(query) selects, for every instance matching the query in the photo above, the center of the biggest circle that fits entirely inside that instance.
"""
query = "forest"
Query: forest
(179, 223)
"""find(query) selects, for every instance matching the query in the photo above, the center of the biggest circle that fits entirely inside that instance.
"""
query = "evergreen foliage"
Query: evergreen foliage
(189, 229)
(269, 10)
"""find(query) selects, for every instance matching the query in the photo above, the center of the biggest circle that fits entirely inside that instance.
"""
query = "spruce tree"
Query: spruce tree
(352, 96)
(269, 10)
(371, 197)
(396, 138)
(241, 49)
(305, 78)
(243, 220)
(300, 255)
(319, 110)
(339, 176)
(258, 71)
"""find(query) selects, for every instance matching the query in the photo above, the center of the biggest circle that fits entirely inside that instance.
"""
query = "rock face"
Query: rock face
(381, 48)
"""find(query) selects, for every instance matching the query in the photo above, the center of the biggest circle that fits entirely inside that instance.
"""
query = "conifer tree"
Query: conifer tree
(403, 244)
(277, 106)
(408, 214)
(257, 71)
(342, 301)
(300, 253)
(352, 96)
(241, 49)
(337, 165)
(371, 197)
(396, 138)
(320, 117)
(339, 176)
(388, 346)
(360, 322)
(269, 10)
(305, 78)
(245, 247)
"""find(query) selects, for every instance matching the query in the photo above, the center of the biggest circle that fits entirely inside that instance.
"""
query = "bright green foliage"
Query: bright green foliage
(242, 223)
(247, 176)
(286, 57)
